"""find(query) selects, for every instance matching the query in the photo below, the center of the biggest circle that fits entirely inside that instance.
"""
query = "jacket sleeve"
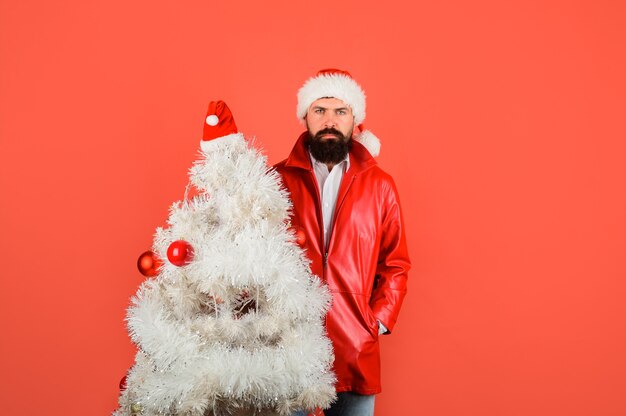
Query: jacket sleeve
(393, 262)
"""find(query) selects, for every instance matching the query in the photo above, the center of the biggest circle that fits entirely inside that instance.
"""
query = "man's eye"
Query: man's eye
(341, 112)
(319, 111)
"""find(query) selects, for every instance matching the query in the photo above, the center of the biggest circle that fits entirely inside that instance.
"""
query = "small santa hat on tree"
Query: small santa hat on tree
(219, 125)
(339, 84)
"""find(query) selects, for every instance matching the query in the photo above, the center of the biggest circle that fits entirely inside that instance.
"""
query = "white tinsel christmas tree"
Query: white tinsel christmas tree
(236, 328)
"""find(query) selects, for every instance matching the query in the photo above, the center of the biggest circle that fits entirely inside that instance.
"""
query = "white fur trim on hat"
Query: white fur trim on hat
(337, 86)
(369, 141)
(211, 145)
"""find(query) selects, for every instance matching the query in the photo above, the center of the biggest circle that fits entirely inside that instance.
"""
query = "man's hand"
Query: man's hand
(381, 328)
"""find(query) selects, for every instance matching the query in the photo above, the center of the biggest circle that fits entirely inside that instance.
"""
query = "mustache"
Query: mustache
(329, 130)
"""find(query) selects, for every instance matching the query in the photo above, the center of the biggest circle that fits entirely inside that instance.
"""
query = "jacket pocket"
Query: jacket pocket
(373, 322)
(352, 316)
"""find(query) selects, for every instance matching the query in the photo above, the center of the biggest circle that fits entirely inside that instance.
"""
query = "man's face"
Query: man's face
(330, 124)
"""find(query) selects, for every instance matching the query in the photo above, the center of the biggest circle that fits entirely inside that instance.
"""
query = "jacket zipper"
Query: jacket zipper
(320, 221)
(320, 217)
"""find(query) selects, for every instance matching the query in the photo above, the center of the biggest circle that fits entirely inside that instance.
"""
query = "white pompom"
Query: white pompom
(212, 120)
(371, 142)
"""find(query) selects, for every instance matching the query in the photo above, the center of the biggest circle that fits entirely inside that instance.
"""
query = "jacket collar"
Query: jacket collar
(360, 158)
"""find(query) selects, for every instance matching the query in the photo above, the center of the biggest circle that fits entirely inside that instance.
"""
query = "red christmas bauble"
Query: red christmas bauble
(123, 384)
(149, 264)
(180, 253)
(299, 235)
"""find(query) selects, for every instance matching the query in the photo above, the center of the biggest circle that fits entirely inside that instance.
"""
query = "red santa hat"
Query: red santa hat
(339, 84)
(219, 125)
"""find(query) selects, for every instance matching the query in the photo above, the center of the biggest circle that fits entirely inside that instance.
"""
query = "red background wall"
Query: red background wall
(502, 122)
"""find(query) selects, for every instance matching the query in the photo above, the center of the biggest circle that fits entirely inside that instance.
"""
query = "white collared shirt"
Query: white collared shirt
(328, 184)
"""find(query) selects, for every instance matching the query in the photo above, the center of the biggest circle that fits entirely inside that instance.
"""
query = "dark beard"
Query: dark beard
(329, 151)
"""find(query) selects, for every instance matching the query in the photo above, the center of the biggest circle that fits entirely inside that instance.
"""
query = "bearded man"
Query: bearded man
(349, 211)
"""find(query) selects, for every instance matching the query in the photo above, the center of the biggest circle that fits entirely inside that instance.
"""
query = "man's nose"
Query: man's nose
(329, 120)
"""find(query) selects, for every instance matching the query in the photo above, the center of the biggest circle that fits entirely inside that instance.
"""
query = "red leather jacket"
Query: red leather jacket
(366, 264)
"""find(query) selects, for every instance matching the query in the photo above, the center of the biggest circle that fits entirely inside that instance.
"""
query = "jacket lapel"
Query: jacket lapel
(360, 160)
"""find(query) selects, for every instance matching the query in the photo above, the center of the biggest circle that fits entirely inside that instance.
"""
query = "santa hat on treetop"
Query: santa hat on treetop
(339, 84)
(219, 125)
